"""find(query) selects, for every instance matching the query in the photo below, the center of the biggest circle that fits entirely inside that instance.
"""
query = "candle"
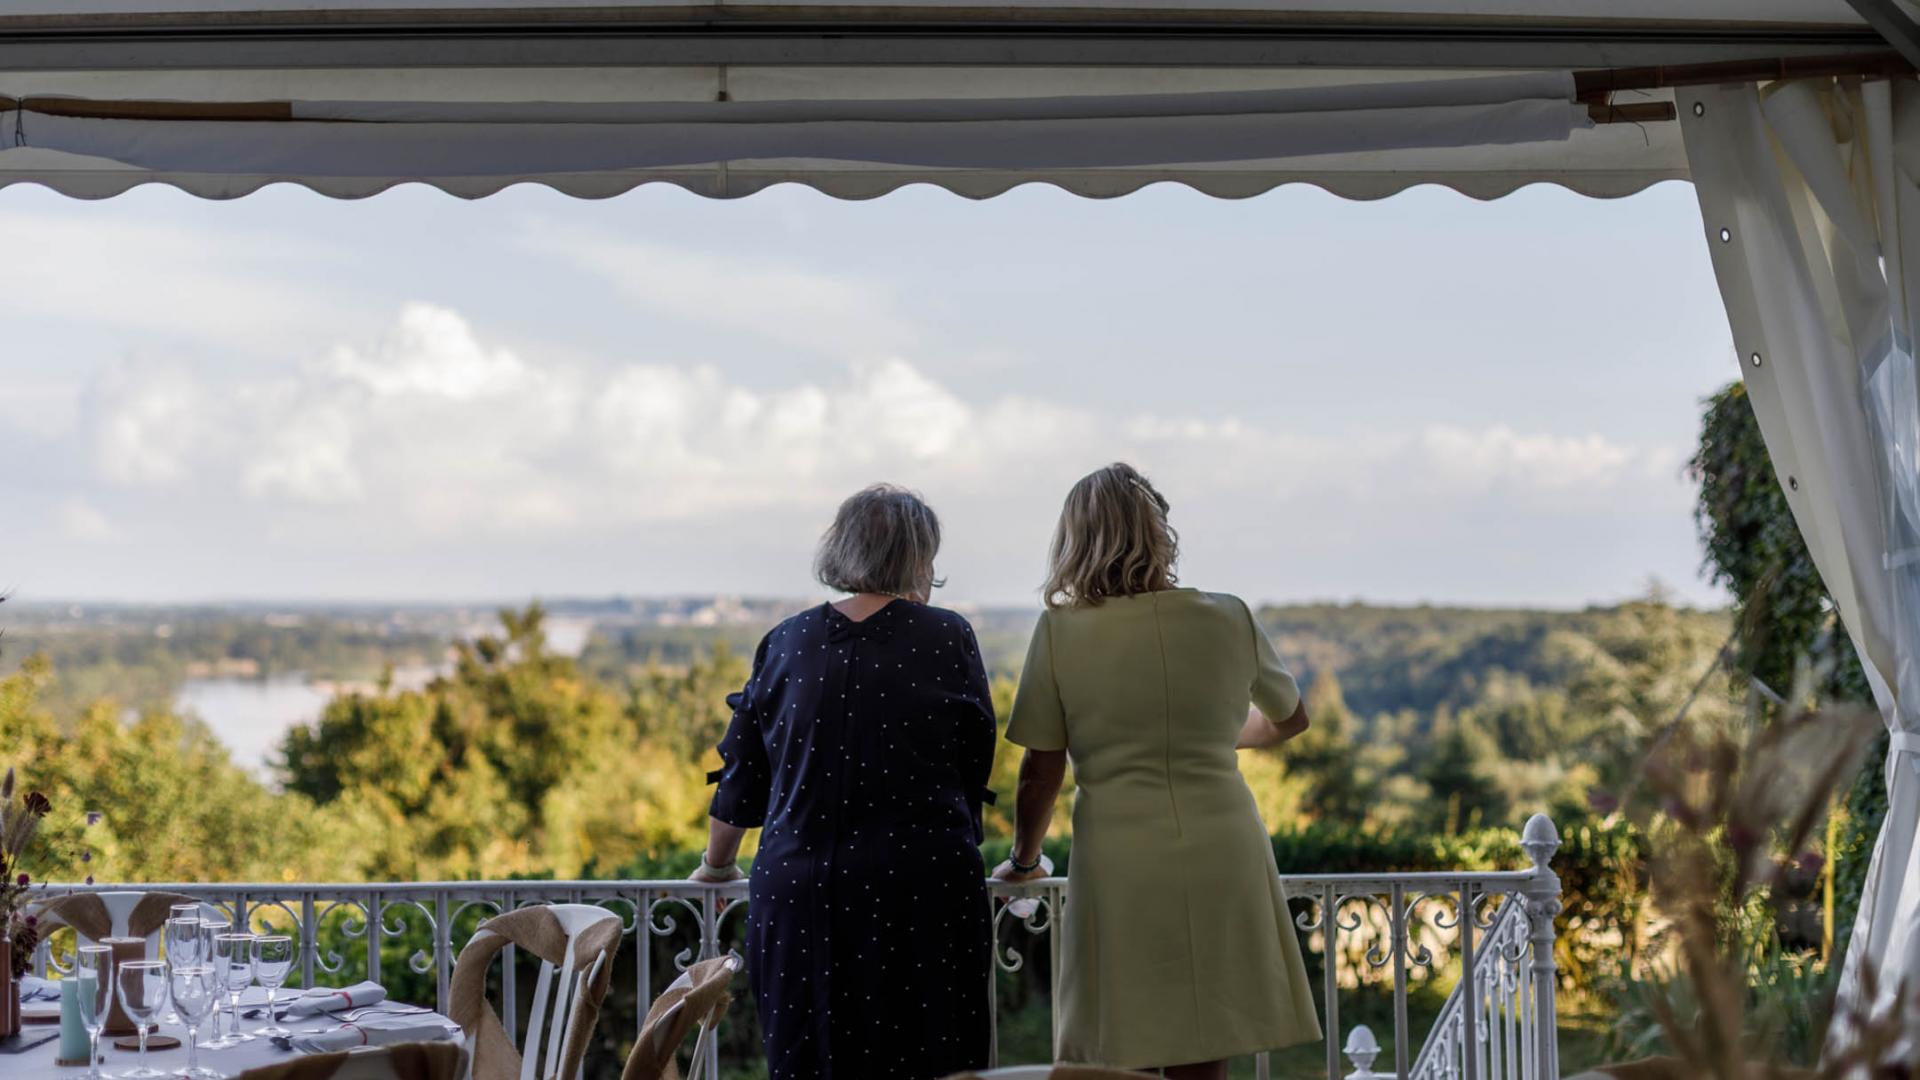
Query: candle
(74, 1045)
(124, 950)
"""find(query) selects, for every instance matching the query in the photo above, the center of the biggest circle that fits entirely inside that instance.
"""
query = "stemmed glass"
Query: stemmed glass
(212, 926)
(194, 992)
(272, 961)
(233, 968)
(93, 972)
(143, 993)
(183, 947)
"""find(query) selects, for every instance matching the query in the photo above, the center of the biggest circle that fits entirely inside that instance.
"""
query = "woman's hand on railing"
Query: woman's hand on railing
(708, 874)
(1006, 872)
(720, 862)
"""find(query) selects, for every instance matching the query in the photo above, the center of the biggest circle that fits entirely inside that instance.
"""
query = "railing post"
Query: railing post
(1540, 840)
(376, 913)
(309, 938)
(1397, 935)
(710, 949)
(642, 961)
(1330, 972)
(1469, 986)
(993, 987)
(510, 976)
(442, 950)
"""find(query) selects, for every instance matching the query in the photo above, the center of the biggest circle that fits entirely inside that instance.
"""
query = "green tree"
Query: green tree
(1327, 756)
(1462, 769)
(518, 763)
(174, 806)
(1785, 615)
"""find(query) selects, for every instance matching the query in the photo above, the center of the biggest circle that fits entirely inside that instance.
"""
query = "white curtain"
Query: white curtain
(1808, 196)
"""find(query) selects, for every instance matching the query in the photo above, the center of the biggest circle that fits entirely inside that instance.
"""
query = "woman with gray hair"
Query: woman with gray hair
(862, 745)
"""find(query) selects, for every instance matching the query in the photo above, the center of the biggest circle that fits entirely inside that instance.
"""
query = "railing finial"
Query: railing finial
(1361, 1049)
(1540, 840)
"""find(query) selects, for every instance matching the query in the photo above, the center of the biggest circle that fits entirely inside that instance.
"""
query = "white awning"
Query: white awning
(859, 97)
(849, 132)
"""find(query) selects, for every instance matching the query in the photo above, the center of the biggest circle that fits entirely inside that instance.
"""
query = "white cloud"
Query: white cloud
(1500, 456)
(432, 436)
(432, 352)
(146, 422)
(434, 425)
(307, 456)
(778, 302)
(99, 265)
(82, 521)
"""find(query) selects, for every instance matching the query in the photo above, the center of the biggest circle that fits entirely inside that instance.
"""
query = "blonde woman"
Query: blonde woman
(1179, 949)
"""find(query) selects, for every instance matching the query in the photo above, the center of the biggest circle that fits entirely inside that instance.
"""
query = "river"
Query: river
(251, 715)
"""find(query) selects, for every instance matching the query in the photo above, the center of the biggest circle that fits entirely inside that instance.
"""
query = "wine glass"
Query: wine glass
(183, 948)
(194, 992)
(143, 994)
(233, 969)
(93, 971)
(212, 925)
(272, 961)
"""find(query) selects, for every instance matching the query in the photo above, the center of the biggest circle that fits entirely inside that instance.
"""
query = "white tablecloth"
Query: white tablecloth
(38, 1063)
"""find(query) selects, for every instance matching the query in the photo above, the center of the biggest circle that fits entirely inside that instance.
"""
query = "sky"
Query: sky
(412, 397)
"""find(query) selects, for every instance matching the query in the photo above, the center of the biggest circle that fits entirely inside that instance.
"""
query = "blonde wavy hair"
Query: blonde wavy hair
(1113, 539)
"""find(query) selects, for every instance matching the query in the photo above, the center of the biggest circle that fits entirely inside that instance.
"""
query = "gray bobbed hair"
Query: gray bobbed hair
(882, 540)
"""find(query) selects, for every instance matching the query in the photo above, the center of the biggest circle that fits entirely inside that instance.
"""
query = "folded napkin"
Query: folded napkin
(375, 1031)
(323, 999)
(33, 988)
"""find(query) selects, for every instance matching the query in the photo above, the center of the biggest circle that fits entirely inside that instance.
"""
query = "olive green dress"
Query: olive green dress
(1178, 944)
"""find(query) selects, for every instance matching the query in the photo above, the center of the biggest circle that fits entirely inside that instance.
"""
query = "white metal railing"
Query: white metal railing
(1500, 922)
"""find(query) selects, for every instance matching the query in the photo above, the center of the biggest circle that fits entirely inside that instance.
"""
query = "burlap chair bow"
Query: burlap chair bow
(401, 1061)
(697, 999)
(90, 916)
(577, 943)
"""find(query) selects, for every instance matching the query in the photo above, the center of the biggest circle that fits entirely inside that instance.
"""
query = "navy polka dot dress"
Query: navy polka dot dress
(863, 749)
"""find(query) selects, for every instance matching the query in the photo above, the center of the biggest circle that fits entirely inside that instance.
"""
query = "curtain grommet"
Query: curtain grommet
(1699, 108)
(1726, 236)
(1755, 359)
(1793, 483)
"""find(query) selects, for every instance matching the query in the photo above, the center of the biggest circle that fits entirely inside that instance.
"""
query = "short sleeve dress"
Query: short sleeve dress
(1178, 944)
(864, 748)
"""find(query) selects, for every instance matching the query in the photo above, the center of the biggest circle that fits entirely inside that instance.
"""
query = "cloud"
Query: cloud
(450, 430)
(1498, 456)
(147, 421)
(80, 520)
(431, 436)
(431, 352)
(777, 302)
(103, 265)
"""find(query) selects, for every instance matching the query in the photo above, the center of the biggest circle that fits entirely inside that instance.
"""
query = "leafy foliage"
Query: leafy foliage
(1785, 616)
(518, 764)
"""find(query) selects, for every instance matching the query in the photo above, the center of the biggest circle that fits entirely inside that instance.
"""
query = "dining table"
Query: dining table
(33, 1053)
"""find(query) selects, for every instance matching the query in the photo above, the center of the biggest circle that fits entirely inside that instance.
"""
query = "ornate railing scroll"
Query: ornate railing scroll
(1497, 1025)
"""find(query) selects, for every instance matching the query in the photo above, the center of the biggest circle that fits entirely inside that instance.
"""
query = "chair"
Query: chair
(576, 945)
(402, 1061)
(97, 916)
(698, 998)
